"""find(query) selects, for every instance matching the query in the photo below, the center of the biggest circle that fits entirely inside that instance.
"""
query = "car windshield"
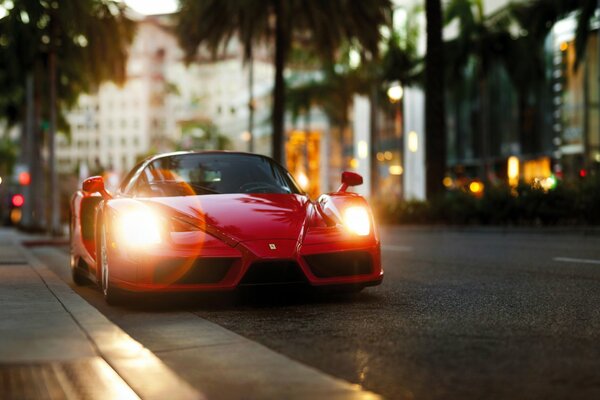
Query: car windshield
(210, 173)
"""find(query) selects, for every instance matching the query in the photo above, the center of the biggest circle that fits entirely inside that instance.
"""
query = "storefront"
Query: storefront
(576, 103)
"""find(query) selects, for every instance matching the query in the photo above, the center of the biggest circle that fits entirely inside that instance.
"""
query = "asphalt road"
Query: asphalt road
(461, 314)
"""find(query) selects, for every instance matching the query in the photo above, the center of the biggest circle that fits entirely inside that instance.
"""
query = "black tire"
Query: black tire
(79, 277)
(112, 295)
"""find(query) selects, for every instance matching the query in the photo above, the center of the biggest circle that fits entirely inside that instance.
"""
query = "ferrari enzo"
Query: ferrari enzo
(210, 221)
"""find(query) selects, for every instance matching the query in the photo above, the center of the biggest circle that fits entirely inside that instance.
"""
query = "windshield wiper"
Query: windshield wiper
(205, 188)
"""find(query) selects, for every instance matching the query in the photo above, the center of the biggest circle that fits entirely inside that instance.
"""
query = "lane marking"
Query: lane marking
(577, 260)
(391, 247)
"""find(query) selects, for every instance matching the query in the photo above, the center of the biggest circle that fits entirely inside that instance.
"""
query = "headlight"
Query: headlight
(356, 220)
(139, 228)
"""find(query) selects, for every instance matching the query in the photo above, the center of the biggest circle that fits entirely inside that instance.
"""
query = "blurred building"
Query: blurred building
(110, 130)
(398, 145)
(552, 133)
(574, 112)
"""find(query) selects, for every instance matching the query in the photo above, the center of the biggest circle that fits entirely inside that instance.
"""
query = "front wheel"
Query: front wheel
(112, 295)
(78, 276)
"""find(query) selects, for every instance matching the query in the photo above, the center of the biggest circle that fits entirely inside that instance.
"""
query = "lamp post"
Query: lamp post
(395, 94)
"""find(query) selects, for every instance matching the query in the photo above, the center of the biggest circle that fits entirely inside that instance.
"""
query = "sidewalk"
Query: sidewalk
(54, 345)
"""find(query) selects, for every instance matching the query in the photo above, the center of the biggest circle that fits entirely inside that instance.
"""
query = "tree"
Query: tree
(517, 32)
(322, 25)
(479, 47)
(435, 126)
(332, 86)
(539, 16)
(202, 134)
(58, 47)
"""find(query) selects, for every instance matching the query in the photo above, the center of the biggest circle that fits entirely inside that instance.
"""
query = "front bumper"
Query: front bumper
(218, 267)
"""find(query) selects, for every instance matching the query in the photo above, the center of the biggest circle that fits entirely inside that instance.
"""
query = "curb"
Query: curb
(145, 373)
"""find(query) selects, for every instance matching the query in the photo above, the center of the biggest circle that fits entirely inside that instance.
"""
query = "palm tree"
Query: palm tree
(321, 25)
(481, 45)
(538, 17)
(435, 126)
(55, 47)
(486, 42)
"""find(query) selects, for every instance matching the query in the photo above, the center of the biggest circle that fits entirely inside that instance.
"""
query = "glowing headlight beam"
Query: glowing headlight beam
(139, 228)
(356, 220)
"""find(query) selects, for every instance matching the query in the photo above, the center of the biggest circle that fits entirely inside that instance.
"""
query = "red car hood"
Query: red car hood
(242, 217)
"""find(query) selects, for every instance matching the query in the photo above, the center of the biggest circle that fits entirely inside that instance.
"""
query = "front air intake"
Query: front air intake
(343, 263)
(273, 272)
(189, 271)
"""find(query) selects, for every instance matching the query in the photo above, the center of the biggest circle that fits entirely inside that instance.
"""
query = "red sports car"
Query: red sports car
(208, 221)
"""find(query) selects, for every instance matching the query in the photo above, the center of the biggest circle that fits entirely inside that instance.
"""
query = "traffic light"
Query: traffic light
(24, 178)
(16, 214)
(18, 200)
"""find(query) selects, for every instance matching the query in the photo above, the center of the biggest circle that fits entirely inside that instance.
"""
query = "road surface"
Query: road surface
(461, 314)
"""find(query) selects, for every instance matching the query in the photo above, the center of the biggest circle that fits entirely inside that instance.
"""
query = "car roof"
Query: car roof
(223, 152)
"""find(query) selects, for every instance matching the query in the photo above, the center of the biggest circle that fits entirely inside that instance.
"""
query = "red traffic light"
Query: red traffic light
(24, 178)
(18, 200)
(582, 173)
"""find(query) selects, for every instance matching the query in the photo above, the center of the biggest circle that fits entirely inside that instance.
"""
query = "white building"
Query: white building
(114, 127)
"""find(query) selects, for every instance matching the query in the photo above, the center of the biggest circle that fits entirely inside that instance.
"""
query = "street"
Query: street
(461, 314)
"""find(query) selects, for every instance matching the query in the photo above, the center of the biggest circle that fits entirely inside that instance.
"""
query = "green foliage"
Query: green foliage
(202, 135)
(334, 83)
(589, 201)
(331, 90)
(497, 206)
(322, 27)
(501, 205)
(8, 155)
(90, 39)
(537, 17)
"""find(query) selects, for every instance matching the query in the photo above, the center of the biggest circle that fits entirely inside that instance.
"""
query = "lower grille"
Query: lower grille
(192, 271)
(346, 263)
(273, 272)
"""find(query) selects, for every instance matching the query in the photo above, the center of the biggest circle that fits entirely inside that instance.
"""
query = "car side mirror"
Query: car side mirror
(95, 184)
(350, 179)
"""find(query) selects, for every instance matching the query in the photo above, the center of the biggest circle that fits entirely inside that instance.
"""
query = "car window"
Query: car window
(200, 174)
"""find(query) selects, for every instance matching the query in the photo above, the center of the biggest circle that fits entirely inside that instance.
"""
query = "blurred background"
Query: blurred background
(458, 111)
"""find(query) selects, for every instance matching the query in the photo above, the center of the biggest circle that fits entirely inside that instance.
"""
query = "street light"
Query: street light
(395, 92)
(513, 171)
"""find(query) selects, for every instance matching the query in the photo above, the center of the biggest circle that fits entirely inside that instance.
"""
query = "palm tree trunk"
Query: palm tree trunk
(306, 140)
(27, 150)
(374, 128)
(435, 127)
(279, 92)
(483, 127)
(36, 167)
(54, 189)
(251, 104)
